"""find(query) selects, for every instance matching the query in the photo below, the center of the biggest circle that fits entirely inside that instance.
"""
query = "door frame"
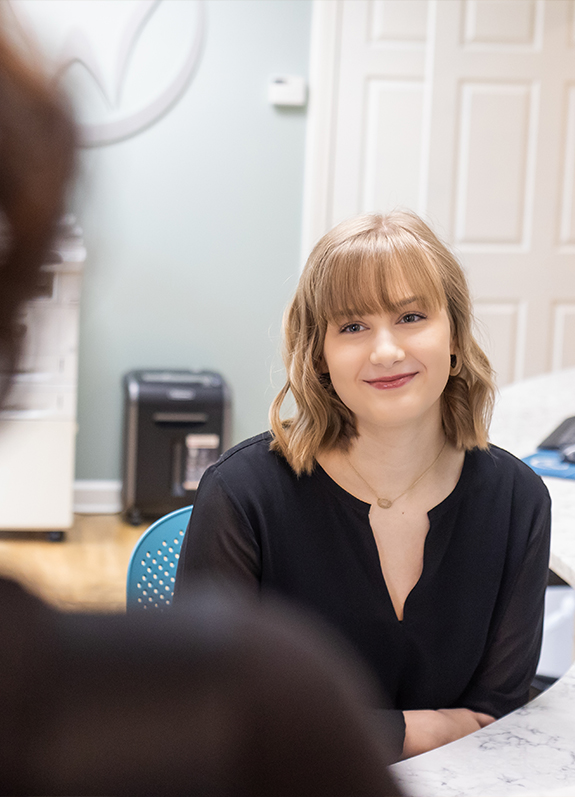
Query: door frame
(320, 133)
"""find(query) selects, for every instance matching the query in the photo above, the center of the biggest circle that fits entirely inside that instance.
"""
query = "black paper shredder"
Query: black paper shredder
(175, 426)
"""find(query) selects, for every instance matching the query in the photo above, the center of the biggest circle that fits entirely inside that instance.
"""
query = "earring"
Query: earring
(455, 366)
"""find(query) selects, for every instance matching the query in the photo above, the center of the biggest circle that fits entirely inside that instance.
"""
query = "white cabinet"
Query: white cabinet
(38, 421)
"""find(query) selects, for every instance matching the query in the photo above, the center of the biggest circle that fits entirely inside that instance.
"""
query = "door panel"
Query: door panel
(391, 168)
(495, 165)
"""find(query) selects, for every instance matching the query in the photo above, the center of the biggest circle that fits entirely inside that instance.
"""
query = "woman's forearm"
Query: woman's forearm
(426, 730)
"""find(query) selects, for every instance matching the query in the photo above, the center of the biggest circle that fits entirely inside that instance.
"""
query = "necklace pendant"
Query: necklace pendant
(384, 503)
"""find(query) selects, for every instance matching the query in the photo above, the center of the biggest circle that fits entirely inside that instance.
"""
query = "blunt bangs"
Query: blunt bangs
(376, 272)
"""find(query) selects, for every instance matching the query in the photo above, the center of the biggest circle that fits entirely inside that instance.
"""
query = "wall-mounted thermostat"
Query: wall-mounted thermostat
(287, 90)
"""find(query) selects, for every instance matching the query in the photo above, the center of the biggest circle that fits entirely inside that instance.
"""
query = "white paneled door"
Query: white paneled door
(463, 110)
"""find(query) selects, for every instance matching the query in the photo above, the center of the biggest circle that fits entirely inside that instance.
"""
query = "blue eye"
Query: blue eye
(410, 318)
(355, 327)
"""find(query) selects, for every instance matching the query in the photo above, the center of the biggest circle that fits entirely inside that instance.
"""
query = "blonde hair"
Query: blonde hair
(363, 266)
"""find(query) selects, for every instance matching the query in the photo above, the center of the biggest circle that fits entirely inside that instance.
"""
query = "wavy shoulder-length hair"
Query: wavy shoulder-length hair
(366, 265)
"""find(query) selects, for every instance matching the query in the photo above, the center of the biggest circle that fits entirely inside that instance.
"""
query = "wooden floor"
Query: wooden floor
(84, 572)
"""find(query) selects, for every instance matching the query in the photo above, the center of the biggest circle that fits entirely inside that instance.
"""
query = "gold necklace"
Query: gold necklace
(386, 503)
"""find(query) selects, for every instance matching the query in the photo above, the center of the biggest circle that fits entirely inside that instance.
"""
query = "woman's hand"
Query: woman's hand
(426, 730)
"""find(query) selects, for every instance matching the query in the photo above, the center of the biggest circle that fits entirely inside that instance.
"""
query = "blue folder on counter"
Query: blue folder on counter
(550, 463)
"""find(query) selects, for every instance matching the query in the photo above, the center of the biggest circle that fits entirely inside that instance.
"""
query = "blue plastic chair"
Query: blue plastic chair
(152, 567)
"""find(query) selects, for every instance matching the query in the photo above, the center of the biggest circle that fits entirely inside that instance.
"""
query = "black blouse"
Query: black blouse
(471, 631)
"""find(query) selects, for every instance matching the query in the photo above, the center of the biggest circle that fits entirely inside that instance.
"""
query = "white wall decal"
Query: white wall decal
(95, 46)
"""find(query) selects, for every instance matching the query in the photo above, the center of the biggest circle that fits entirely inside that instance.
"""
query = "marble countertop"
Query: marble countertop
(531, 751)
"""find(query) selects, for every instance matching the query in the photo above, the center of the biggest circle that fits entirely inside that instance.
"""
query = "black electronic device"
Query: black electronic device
(563, 435)
(175, 426)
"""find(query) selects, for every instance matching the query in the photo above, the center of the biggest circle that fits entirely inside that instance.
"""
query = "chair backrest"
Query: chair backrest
(152, 567)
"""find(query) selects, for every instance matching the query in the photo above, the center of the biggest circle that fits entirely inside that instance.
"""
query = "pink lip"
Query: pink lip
(390, 382)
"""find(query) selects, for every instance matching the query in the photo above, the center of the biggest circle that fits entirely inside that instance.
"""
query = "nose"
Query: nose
(386, 349)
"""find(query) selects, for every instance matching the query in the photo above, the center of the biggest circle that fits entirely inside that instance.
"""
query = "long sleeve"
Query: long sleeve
(220, 542)
(501, 682)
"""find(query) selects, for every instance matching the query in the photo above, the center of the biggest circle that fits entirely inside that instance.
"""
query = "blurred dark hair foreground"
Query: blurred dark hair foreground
(37, 155)
(219, 698)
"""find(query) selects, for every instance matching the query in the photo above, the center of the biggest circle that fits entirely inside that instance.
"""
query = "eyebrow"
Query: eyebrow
(410, 300)
(349, 313)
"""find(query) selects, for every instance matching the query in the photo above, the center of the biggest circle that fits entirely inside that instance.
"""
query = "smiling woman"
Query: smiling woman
(365, 266)
(380, 505)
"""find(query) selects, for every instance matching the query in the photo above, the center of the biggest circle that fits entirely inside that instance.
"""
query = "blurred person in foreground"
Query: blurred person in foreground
(229, 699)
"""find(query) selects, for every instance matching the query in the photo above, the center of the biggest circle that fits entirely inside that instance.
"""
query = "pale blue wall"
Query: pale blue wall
(193, 230)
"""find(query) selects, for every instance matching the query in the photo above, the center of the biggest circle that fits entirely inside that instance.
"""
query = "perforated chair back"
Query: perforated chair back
(152, 567)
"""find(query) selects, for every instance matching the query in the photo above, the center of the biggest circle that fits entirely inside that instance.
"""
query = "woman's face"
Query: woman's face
(391, 368)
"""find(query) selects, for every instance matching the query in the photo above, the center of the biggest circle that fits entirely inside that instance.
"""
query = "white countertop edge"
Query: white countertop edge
(531, 751)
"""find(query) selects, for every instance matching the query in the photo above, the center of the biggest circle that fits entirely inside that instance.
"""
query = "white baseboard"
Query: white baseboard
(98, 497)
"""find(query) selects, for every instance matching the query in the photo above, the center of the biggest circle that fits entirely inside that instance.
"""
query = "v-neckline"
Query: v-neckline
(433, 514)
(396, 616)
